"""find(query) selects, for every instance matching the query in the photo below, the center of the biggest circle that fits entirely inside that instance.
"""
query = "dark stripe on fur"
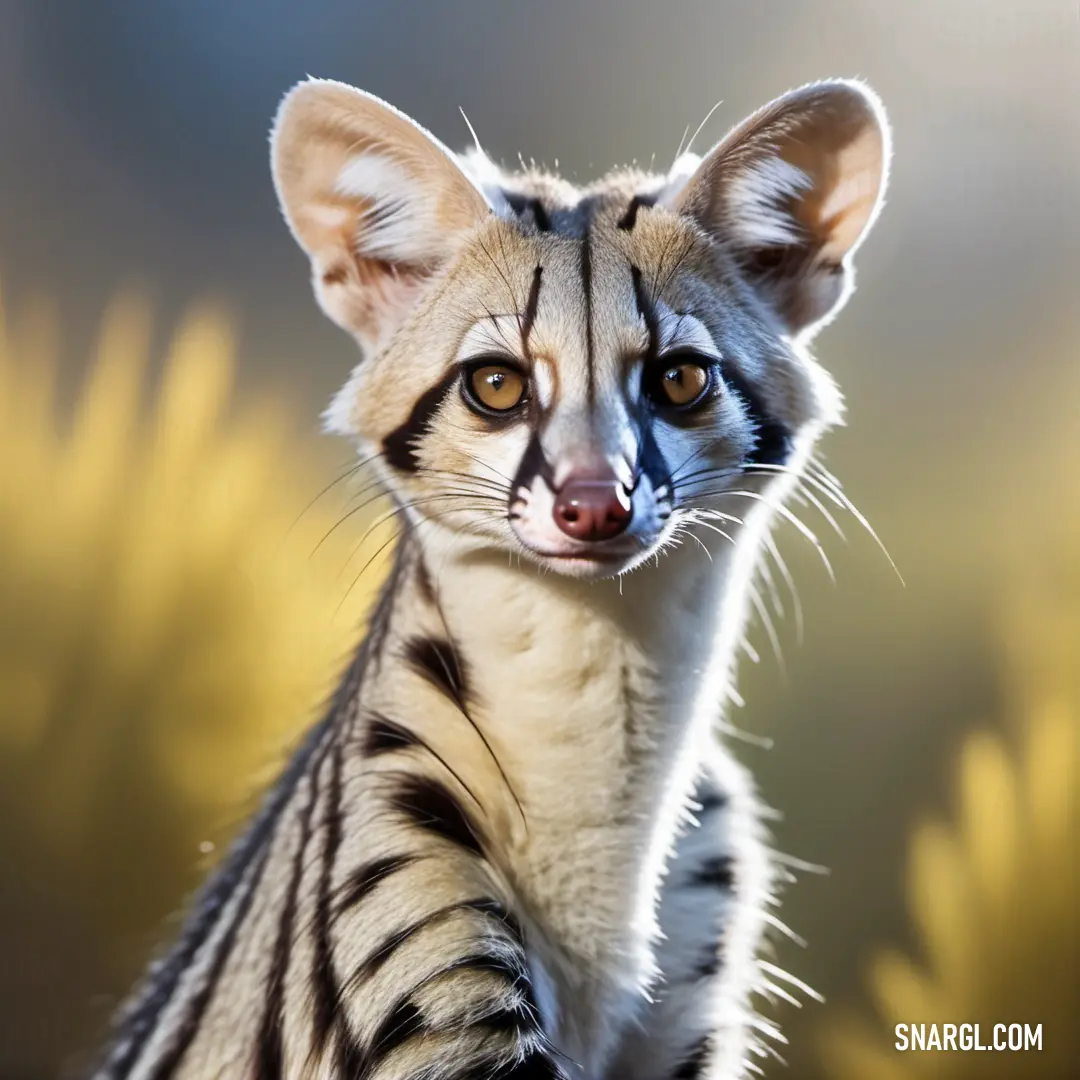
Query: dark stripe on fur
(772, 439)
(540, 216)
(532, 305)
(430, 805)
(439, 663)
(590, 343)
(381, 736)
(533, 464)
(647, 313)
(404, 1021)
(270, 1051)
(536, 1065)
(362, 881)
(185, 1034)
(523, 204)
(326, 995)
(400, 446)
(424, 585)
(629, 219)
(138, 1022)
(394, 941)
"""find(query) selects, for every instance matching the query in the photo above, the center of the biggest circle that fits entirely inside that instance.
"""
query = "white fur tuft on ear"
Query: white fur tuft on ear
(791, 192)
(758, 195)
(377, 203)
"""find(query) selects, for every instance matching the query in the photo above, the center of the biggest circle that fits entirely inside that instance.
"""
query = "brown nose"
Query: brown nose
(592, 509)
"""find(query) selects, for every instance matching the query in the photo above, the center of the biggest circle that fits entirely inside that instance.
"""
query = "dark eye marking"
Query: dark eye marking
(400, 446)
(773, 442)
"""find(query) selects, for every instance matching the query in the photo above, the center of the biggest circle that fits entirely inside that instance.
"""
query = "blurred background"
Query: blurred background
(167, 627)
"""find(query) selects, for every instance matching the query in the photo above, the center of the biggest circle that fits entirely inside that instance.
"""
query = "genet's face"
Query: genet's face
(579, 396)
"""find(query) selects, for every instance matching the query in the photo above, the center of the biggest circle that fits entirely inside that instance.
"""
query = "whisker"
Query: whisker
(402, 507)
(789, 580)
(785, 513)
(770, 627)
(830, 485)
(351, 471)
(363, 570)
(509, 480)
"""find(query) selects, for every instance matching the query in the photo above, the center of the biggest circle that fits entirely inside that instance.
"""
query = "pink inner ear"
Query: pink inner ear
(849, 205)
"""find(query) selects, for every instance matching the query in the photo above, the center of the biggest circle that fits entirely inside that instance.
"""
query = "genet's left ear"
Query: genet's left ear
(791, 192)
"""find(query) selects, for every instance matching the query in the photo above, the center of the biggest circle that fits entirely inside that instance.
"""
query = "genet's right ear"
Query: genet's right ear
(378, 204)
(792, 192)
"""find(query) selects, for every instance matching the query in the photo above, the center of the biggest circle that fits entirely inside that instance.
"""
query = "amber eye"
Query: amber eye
(682, 384)
(496, 387)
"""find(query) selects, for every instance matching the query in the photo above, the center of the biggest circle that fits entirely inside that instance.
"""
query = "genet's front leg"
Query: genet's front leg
(700, 1023)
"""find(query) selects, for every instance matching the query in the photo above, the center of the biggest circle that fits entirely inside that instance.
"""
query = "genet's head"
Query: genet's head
(577, 373)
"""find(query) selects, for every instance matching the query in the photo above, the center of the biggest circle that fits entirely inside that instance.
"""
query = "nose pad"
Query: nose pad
(592, 509)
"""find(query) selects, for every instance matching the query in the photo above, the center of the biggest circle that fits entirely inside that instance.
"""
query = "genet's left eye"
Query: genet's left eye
(681, 384)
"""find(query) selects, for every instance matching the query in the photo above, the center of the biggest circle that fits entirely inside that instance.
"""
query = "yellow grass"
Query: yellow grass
(164, 629)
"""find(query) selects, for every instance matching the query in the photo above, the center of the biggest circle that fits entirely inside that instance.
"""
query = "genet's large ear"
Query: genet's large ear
(791, 192)
(377, 203)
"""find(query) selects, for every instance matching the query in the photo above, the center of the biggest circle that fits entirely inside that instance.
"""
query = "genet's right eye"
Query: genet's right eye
(491, 387)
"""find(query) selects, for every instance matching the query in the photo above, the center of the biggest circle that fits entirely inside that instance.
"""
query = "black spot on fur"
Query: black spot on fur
(717, 873)
(439, 663)
(709, 965)
(430, 805)
(400, 446)
(693, 1066)
(711, 801)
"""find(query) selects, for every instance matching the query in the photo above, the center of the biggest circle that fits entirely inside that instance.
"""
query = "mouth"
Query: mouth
(591, 561)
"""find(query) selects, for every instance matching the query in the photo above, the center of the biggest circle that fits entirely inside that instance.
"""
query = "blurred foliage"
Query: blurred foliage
(995, 895)
(165, 629)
